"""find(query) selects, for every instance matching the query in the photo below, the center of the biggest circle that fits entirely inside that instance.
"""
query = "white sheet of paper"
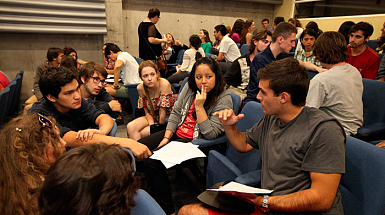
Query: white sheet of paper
(234, 186)
(177, 152)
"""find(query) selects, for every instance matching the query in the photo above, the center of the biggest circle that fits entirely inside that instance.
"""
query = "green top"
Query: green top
(206, 47)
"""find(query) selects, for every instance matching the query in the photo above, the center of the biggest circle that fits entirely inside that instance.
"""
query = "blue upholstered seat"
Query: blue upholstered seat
(241, 167)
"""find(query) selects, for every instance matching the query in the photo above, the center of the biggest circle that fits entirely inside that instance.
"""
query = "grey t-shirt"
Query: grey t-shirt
(338, 92)
(311, 142)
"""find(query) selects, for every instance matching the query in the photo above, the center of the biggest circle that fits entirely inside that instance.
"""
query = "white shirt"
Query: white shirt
(229, 49)
(130, 69)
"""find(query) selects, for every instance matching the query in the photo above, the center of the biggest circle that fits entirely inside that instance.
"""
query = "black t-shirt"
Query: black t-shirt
(147, 50)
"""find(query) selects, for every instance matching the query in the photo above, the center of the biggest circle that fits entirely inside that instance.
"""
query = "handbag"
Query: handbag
(157, 126)
(162, 63)
(161, 60)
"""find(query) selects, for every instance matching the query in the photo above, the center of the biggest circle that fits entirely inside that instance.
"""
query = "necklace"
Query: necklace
(299, 112)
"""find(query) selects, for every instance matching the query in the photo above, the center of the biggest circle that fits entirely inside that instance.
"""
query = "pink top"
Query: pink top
(235, 37)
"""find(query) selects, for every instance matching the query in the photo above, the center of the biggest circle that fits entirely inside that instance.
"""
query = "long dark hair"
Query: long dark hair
(206, 33)
(245, 30)
(237, 27)
(219, 87)
(90, 179)
(196, 42)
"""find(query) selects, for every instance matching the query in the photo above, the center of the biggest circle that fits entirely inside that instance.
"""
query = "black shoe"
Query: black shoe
(119, 121)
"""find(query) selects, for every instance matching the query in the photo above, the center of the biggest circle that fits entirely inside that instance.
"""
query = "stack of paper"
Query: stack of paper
(241, 188)
(176, 152)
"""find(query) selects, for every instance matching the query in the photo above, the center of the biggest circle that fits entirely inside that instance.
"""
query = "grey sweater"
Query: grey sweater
(209, 129)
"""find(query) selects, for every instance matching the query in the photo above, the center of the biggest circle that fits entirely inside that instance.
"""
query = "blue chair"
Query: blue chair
(208, 55)
(179, 60)
(138, 60)
(362, 186)
(133, 96)
(222, 138)
(244, 49)
(113, 130)
(3, 105)
(241, 167)
(373, 99)
(15, 89)
(372, 44)
(381, 55)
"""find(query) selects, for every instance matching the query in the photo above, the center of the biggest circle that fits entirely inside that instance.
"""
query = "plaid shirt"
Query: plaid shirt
(300, 54)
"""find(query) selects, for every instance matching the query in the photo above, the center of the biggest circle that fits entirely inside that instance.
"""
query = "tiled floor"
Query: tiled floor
(185, 188)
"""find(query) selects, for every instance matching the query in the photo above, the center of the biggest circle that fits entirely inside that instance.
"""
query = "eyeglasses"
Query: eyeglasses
(97, 80)
(44, 121)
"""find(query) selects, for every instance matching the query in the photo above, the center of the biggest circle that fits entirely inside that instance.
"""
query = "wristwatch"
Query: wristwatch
(265, 206)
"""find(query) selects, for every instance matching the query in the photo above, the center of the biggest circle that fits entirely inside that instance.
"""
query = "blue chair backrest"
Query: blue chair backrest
(244, 49)
(373, 99)
(185, 80)
(133, 96)
(179, 57)
(138, 60)
(372, 44)
(3, 104)
(381, 55)
(113, 130)
(236, 102)
(253, 113)
(250, 161)
(362, 185)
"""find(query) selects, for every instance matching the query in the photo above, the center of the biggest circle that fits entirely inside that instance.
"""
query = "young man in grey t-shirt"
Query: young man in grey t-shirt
(302, 148)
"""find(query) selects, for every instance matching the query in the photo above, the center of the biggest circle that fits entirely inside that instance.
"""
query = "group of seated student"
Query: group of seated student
(72, 104)
(283, 40)
(237, 77)
(190, 56)
(40, 177)
(80, 121)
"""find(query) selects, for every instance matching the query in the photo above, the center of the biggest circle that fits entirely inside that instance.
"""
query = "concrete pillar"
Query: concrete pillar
(114, 20)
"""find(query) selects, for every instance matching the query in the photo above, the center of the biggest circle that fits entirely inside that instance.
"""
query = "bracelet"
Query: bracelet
(166, 138)
(199, 109)
(116, 85)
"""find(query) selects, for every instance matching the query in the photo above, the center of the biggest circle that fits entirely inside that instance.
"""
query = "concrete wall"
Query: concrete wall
(184, 18)
(27, 51)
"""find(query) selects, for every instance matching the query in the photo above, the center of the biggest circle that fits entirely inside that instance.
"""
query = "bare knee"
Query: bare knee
(193, 209)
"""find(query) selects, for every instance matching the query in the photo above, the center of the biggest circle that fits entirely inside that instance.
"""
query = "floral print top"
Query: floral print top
(164, 100)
